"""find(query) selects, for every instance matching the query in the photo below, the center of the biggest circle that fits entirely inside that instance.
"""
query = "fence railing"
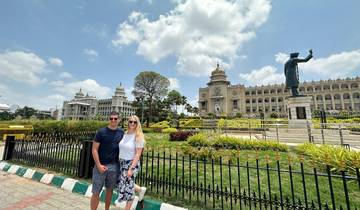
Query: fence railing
(68, 153)
(234, 181)
(319, 133)
(239, 184)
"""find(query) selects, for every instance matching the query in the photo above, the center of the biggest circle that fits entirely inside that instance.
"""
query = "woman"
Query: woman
(130, 149)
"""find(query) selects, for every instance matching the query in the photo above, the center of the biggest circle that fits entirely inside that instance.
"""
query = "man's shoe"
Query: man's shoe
(142, 193)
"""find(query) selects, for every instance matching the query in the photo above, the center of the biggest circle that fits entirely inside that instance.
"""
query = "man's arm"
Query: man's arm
(95, 154)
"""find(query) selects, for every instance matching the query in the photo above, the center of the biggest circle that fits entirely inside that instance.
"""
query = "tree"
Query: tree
(6, 116)
(25, 112)
(174, 99)
(149, 86)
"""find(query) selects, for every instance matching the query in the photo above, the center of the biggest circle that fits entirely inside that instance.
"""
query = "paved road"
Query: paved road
(21, 193)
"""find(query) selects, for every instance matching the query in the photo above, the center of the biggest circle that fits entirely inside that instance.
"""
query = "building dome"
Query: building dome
(79, 94)
(120, 91)
(217, 71)
(218, 76)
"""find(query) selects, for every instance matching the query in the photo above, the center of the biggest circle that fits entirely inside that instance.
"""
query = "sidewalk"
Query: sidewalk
(21, 193)
(25, 188)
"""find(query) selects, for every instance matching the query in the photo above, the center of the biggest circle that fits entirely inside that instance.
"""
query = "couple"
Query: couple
(116, 156)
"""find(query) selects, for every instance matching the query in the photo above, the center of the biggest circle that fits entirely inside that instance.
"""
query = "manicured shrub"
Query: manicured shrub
(169, 130)
(161, 124)
(226, 142)
(180, 135)
(63, 126)
(191, 123)
(338, 158)
(147, 130)
(199, 140)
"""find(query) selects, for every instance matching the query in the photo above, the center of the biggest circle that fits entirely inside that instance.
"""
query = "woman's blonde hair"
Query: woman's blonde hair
(139, 135)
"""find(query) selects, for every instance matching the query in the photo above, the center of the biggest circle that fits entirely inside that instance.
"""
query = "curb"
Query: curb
(76, 186)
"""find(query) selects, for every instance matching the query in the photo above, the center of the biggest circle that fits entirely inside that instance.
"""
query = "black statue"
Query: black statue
(292, 73)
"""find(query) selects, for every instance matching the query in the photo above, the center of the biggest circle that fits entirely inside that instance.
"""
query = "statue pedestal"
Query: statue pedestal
(299, 112)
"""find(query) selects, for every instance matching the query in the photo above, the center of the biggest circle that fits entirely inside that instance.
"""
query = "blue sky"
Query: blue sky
(50, 49)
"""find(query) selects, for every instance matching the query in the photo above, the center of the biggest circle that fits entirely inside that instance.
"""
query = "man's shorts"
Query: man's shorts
(109, 178)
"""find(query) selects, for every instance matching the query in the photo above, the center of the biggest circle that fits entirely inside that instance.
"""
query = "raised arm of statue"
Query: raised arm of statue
(302, 60)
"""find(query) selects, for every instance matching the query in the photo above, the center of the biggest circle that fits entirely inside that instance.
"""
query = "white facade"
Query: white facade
(88, 107)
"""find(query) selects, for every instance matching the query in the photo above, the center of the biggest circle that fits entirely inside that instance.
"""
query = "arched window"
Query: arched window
(354, 86)
(346, 96)
(344, 86)
(335, 87)
(356, 95)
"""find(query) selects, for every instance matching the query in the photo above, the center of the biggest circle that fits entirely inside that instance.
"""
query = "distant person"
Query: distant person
(105, 151)
(130, 150)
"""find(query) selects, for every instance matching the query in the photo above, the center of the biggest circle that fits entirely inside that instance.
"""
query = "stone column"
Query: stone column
(342, 102)
(332, 101)
(351, 101)
(315, 102)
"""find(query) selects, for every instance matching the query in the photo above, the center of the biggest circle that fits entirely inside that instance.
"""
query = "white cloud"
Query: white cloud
(281, 57)
(87, 86)
(128, 93)
(55, 61)
(198, 32)
(22, 67)
(334, 66)
(264, 76)
(65, 75)
(91, 53)
(14, 96)
(174, 84)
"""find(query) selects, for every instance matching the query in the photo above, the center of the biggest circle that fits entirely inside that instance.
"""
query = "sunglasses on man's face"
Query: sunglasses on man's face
(132, 122)
(113, 118)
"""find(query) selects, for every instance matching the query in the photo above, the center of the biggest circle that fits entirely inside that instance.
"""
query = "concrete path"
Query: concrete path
(20, 193)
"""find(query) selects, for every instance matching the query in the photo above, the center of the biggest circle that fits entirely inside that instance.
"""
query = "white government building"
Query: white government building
(83, 107)
(220, 97)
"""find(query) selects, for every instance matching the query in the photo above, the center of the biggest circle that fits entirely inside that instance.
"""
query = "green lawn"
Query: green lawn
(229, 175)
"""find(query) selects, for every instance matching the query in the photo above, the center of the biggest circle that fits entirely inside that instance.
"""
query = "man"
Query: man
(292, 73)
(105, 151)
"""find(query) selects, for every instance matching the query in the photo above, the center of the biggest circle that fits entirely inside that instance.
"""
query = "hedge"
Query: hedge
(169, 130)
(338, 158)
(226, 142)
(63, 126)
(181, 135)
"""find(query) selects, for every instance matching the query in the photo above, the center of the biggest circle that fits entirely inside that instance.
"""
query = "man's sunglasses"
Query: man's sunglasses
(113, 118)
(132, 122)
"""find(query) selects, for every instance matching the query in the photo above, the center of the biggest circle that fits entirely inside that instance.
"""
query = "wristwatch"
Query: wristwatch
(133, 168)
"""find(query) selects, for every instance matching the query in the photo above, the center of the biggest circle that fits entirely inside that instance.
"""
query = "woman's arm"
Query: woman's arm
(135, 161)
